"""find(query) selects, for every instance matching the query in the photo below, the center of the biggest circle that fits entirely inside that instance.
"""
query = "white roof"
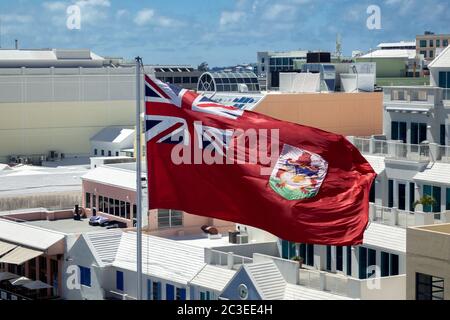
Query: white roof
(397, 44)
(28, 236)
(112, 176)
(268, 280)
(435, 173)
(212, 277)
(395, 53)
(294, 292)
(104, 245)
(376, 162)
(161, 258)
(113, 135)
(387, 237)
(442, 60)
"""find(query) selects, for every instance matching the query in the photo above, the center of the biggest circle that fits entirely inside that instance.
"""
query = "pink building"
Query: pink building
(111, 190)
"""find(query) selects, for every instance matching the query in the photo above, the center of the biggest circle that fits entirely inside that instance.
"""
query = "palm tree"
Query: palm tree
(426, 200)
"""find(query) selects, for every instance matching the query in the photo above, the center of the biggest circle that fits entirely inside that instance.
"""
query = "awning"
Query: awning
(6, 247)
(8, 276)
(36, 285)
(20, 255)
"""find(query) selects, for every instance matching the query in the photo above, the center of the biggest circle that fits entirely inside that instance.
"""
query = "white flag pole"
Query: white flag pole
(138, 179)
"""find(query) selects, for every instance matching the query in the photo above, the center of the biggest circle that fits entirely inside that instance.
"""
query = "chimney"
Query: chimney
(16, 44)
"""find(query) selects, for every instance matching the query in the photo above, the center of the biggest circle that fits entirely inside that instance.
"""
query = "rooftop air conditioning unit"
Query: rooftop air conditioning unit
(242, 238)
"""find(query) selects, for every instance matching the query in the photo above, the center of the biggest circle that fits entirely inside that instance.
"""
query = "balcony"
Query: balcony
(403, 218)
(398, 150)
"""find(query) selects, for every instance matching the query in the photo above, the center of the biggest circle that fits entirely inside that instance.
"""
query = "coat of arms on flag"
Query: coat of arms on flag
(298, 174)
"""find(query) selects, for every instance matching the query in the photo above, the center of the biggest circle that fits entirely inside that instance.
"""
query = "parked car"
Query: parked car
(93, 221)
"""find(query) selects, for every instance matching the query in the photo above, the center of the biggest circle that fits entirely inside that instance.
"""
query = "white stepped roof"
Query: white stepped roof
(28, 236)
(442, 60)
(116, 177)
(435, 173)
(212, 277)
(376, 162)
(397, 44)
(104, 245)
(395, 53)
(387, 237)
(162, 258)
(268, 280)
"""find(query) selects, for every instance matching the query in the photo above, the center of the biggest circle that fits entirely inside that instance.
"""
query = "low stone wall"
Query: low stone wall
(57, 200)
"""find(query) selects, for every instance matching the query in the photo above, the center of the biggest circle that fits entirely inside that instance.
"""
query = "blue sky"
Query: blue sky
(221, 32)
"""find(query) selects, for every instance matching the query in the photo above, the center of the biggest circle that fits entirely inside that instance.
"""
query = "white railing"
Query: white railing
(444, 153)
(226, 259)
(324, 281)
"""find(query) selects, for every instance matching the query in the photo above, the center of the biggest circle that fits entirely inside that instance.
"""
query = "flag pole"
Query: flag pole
(138, 179)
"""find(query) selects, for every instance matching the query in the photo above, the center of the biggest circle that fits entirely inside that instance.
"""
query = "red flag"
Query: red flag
(298, 183)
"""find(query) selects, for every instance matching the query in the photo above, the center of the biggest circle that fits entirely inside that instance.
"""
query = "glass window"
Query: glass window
(180, 294)
(431, 43)
(85, 276)
(95, 152)
(117, 208)
(119, 280)
(194, 79)
(445, 42)
(112, 209)
(424, 53)
(88, 200)
(128, 210)
(402, 196)
(349, 261)
(431, 55)
(100, 204)
(391, 193)
(186, 80)
(447, 205)
(106, 205)
(177, 79)
(362, 263)
(412, 196)
(103, 153)
(123, 213)
(339, 259)
(170, 292)
(438, 43)
(156, 291)
(442, 140)
(394, 265)
(329, 258)
(423, 43)
(429, 287)
(384, 264)
(371, 260)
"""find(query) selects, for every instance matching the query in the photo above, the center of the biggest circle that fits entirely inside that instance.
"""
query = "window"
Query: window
(389, 264)
(447, 203)
(394, 265)
(117, 208)
(431, 55)
(391, 193)
(288, 249)
(429, 287)
(362, 263)
(123, 213)
(170, 292)
(128, 210)
(263, 60)
(180, 294)
(402, 196)
(95, 152)
(103, 153)
(431, 43)
(88, 200)
(205, 295)
(112, 209)
(434, 192)
(339, 259)
(412, 196)
(423, 43)
(418, 132)
(371, 260)
(109, 154)
(156, 291)
(119, 280)
(442, 140)
(187, 80)
(106, 205)
(170, 218)
(100, 204)
(307, 253)
(384, 264)
(149, 289)
(445, 43)
(398, 131)
(194, 79)
(85, 276)
(177, 79)
(424, 53)
(349, 261)
(438, 43)
(117, 153)
(328, 258)
(372, 194)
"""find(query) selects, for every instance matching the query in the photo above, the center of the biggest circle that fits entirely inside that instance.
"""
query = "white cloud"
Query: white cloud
(144, 17)
(16, 18)
(231, 17)
(279, 11)
(55, 5)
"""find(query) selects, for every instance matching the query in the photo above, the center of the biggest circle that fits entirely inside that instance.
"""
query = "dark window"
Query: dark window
(412, 196)
(394, 265)
(371, 260)
(180, 294)
(123, 213)
(117, 154)
(328, 258)
(384, 264)
(177, 79)
(117, 208)
(445, 43)
(431, 43)
(372, 194)
(106, 205)
(394, 130)
(156, 291)
(88, 200)
(423, 43)
(85, 276)
(438, 43)
(402, 196)
(112, 207)
(109, 154)
(431, 54)
(94, 201)
(95, 152)
(128, 209)
(310, 255)
(349, 261)
(429, 287)
(186, 79)
(447, 203)
(119, 280)
(391, 193)
(339, 259)
(170, 292)
(442, 139)
(103, 153)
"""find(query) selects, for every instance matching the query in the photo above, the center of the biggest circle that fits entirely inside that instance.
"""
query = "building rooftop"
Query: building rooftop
(382, 236)
(440, 228)
(213, 277)
(104, 245)
(23, 180)
(442, 60)
(66, 226)
(435, 172)
(394, 53)
(113, 135)
(377, 163)
(114, 176)
(397, 44)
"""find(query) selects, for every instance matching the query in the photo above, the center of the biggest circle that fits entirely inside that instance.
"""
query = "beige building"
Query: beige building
(430, 44)
(428, 262)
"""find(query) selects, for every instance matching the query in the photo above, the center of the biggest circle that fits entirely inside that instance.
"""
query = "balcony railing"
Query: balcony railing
(403, 218)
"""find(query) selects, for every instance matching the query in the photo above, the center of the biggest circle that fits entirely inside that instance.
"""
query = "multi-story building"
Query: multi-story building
(430, 45)
(428, 263)
(184, 76)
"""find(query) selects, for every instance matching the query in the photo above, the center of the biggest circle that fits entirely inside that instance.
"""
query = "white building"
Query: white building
(112, 142)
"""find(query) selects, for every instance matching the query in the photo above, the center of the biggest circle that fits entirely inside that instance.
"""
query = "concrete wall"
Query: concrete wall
(389, 288)
(349, 114)
(60, 200)
(428, 252)
(389, 67)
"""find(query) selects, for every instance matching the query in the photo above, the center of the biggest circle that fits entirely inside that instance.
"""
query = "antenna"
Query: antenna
(339, 46)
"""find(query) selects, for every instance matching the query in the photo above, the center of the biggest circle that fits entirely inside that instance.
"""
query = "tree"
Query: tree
(425, 201)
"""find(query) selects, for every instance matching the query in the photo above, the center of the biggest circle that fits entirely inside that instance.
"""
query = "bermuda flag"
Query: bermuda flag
(299, 183)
